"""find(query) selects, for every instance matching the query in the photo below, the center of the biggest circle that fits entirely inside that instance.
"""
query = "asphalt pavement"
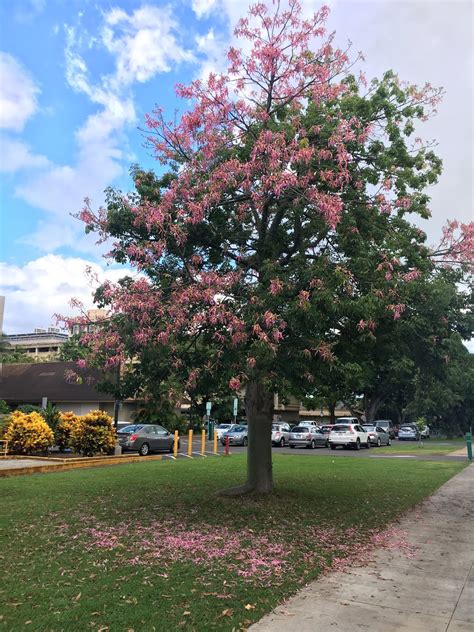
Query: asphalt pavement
(339, 453)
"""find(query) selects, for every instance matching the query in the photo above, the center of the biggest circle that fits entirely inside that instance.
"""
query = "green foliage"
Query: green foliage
(51, 415)
(93, 434)
(4, 407)
(16, 356)
(72, 350)
(30, 408)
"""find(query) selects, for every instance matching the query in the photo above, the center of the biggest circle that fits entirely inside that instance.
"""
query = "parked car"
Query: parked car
(348, 435)
(309, 423)
(280, 434)
(145, 439)
(377, 435)
(303, 437)
(388, 426)
(238, 435)
(425, 433)
(408, 432)
(325, 430)
(221, 429)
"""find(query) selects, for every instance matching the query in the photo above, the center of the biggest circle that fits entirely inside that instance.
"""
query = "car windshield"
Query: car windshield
(407, 428)
(383, 424)
(132, 428)
(326, 428)
(300, 429)
(369, 428)
(224, 426)
(341, 428)
(276, 428)
(239, 429)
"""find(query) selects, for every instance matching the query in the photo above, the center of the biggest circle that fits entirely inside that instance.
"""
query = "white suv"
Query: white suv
(348, 435)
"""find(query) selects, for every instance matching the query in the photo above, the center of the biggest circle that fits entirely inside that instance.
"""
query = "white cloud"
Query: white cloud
(203, 8)
(43, 287)
(18, 94)
(16, 155)
(144, 43)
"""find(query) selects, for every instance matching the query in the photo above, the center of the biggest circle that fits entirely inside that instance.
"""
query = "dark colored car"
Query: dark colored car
(145, 439)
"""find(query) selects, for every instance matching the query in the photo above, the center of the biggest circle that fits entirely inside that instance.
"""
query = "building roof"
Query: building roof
(30, 338)
(31, 382)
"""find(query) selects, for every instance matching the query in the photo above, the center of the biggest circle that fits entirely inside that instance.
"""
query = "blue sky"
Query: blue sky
(77, 77)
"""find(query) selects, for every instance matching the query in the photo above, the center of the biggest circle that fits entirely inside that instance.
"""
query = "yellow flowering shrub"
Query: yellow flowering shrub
(93, 434)
(62, 436)
(28, 433)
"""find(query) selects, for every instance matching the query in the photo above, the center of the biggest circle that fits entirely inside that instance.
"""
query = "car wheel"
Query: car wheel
(368, 444)
(379, 443)
(313, 444)
(389, 442)
(292, 447)
(333, 447)
(144, 449)
(245, 441)
(326, 445)
(357, 445)
(282, 442)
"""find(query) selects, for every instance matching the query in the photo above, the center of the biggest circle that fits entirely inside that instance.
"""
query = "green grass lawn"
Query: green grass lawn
(430, 446)
(148, 546)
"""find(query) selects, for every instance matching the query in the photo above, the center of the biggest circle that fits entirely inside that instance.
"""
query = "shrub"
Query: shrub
(4, 408)
(62, 435)
(29, 408)
(27, 433)
(93, 434)
(51, 416)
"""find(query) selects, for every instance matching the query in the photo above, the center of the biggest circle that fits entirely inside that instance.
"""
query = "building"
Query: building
(41, 344)
(42, 383)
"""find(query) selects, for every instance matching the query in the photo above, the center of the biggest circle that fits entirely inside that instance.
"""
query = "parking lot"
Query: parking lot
(318, 452)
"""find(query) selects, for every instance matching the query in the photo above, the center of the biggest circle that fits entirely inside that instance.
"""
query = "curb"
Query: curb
(72, 464)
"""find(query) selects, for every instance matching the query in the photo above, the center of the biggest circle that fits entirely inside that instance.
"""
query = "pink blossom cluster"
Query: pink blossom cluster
(265, 557)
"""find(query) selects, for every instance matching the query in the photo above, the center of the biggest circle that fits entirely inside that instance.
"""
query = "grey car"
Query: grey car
(280, 434)
(145, 439)
(377, 435)
(238, 435)
(408, 432)
(304, 437)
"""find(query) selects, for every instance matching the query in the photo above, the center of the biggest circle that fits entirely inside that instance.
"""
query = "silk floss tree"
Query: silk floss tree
(236, 243)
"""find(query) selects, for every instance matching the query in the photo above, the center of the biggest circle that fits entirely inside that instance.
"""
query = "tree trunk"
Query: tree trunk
(332, 412)
(259, 410)
(372, 405)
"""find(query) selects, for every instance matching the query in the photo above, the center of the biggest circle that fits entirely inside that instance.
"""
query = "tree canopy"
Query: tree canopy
(279, 232)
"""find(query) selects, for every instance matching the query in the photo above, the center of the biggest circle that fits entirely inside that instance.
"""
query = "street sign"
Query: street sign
(208, 408)
(236, 406)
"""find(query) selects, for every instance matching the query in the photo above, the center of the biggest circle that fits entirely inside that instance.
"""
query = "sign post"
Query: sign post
(469, 445)
(236, 408)
(210, 425)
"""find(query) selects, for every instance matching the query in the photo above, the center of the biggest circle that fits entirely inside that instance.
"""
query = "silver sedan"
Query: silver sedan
(145, 439)
(377, 435)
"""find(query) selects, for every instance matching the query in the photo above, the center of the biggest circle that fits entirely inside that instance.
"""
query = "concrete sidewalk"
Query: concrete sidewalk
(432, 592)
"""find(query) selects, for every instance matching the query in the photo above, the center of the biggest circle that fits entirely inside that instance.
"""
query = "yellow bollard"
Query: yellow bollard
(203, 442)
(190, 442)
(175, 446)
(215, 441)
